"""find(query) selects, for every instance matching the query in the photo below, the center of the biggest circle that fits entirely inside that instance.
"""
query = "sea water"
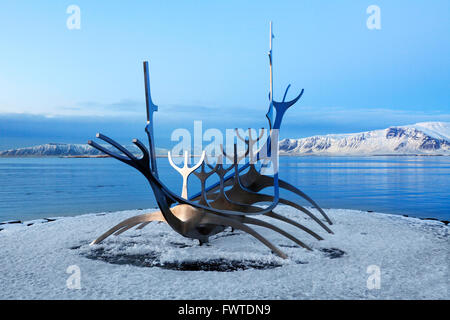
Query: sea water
(32, 188)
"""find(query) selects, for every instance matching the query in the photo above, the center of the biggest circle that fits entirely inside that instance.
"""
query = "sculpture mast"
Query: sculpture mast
(270, 65)
(269, 114)
(151, 107)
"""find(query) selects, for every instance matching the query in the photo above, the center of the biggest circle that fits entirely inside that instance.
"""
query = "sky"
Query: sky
(208, 62)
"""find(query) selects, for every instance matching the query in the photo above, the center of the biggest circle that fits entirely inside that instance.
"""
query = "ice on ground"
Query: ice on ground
(412, 257)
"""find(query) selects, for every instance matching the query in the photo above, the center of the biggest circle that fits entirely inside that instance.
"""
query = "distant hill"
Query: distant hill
(64, 150)
(426, 138)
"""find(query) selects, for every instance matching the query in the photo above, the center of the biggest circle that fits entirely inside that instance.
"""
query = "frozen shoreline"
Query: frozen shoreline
(412, 255)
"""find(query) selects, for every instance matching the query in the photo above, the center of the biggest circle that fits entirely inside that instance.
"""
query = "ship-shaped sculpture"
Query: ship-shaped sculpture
(231, 202)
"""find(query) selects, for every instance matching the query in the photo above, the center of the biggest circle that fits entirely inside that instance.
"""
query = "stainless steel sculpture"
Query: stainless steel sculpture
(215, 208)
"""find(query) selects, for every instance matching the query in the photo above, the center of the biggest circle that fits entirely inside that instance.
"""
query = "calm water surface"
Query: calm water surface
(44, 187)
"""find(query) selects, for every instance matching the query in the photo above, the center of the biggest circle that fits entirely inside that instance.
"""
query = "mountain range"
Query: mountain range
(66, 150)
(425, 138)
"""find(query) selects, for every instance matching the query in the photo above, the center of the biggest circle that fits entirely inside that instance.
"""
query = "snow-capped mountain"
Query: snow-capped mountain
(420, 138)
(53, 149)
(63, 149)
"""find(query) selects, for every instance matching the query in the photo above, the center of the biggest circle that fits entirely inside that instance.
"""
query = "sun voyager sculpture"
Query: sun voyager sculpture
(235, 200)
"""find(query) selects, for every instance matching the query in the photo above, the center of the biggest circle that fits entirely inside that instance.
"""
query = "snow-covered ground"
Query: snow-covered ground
(412, 256)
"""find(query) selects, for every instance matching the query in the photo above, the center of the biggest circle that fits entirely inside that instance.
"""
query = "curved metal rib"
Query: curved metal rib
(159, 217)
(294, 223)
(242, 195)
(223, 199)
(154, 216)
(268, 198)
(222, 202)
(108, 152)
(214, 219)
(287, 186)
(264, 224)
(256, 182)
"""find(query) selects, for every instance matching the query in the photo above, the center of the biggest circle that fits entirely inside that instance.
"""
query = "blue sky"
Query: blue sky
(208, 61)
